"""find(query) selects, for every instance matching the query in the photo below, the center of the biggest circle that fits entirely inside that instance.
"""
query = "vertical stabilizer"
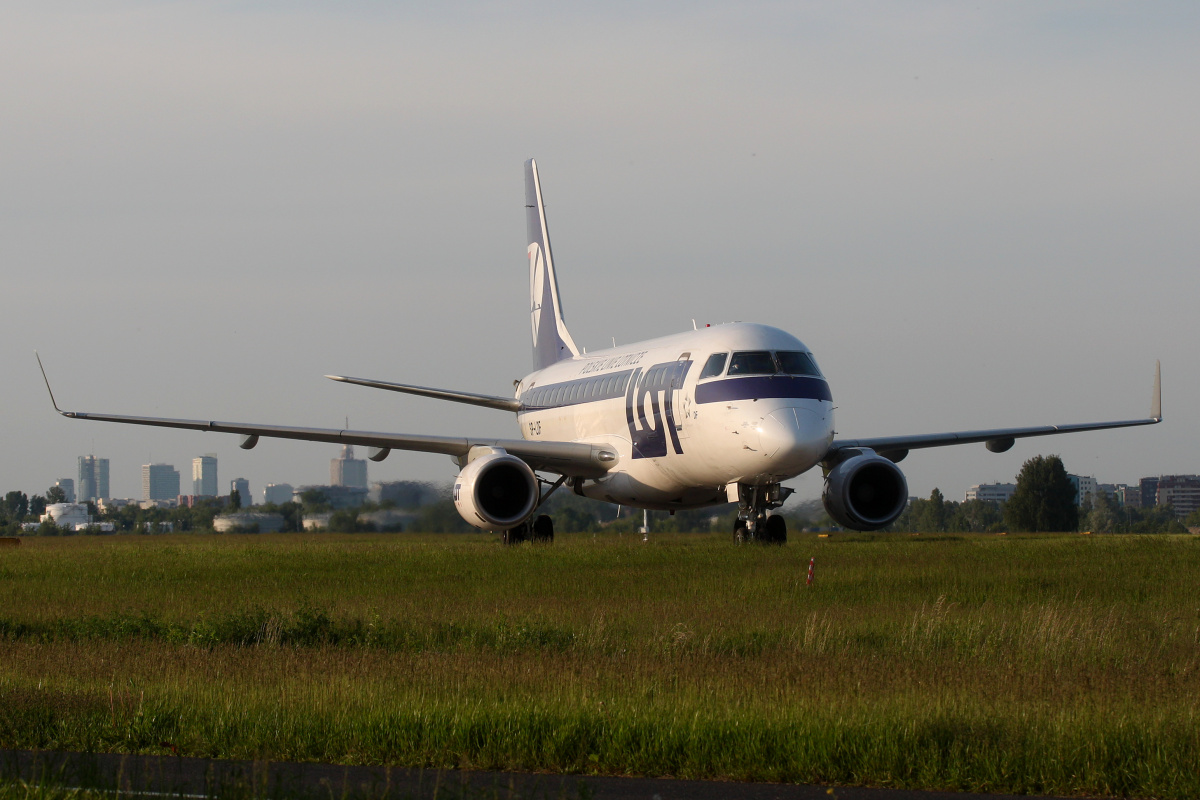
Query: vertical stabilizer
(551, 341)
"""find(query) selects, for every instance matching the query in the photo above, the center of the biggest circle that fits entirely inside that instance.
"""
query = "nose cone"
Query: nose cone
(794, 439)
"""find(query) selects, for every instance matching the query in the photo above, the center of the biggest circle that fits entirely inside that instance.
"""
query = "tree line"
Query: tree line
(1044, 501)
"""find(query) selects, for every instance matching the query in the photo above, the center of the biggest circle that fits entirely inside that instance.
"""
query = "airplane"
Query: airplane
(714, 415)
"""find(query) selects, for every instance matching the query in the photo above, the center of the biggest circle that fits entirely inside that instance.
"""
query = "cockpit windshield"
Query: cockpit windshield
(714, 366)
(794, 362)
(752, 362)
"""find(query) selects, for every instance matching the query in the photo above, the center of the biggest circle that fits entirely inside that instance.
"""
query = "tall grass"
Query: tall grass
(1017, 664)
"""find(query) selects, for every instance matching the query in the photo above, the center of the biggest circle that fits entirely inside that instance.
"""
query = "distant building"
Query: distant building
(114, 503)
(93, 479)
(316, 522)
(1181, 492)
(71, 516)
(278, 493)
(160, 482)
(403, 494)
(1085, 487)
(992, 492)
(68, 487)
(172, 502)
(1149, 488)
(248, 522)
(336, 496)
(193, 500)
(204, 475)
(346, 470)
(1128, 496)
(242, 487)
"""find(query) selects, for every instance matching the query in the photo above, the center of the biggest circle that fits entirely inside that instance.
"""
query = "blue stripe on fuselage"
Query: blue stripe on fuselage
(761, 387)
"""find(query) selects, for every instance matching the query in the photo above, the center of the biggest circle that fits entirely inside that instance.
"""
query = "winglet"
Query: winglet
(1156, 401)
(47, 380)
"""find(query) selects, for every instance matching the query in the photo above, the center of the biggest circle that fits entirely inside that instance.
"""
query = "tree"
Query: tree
(55, 494)
(17, 504)
(235, 500)
(1101, 516)
(1044, 499)
(37, 505)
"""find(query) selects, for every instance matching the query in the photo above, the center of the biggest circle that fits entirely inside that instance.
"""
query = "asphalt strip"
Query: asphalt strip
(178, 777)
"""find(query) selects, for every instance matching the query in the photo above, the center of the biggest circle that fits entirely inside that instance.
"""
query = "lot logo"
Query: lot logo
(650, 408)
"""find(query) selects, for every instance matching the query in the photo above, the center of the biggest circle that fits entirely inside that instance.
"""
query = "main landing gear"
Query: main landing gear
(538, 529)
(753, 523)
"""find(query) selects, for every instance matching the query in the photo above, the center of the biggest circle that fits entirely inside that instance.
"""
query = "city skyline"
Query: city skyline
(975, 217)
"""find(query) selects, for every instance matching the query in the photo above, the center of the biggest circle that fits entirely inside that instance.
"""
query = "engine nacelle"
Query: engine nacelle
(865, 492)
(496, 491)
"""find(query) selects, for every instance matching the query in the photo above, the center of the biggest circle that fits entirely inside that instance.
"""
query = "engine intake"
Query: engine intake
(496, 491)
(865, 492)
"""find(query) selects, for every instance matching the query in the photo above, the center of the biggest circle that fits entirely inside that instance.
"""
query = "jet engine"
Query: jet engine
(865, 492)
(496, 491)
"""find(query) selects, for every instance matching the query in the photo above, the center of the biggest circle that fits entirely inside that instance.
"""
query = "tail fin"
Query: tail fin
(551, 341)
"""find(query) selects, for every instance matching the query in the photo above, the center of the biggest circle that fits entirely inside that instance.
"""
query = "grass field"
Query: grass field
(1009, 664)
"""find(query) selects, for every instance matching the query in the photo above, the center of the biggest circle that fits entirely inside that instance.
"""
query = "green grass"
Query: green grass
(1009, 664)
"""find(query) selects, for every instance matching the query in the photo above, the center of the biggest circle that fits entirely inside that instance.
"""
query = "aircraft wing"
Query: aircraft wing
(563, 458)
(998, 440)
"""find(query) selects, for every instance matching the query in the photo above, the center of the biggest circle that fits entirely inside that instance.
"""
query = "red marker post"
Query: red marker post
(811, 565)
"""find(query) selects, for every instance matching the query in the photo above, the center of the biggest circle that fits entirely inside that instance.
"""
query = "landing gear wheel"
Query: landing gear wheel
(516, 535)
(543, 529)
(741, 531)
(775, 530)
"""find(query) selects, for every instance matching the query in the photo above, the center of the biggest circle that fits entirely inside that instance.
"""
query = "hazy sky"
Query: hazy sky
(976, 215)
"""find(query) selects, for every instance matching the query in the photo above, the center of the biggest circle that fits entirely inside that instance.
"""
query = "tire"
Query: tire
(740, 531)
(543, 529)
(775, 530)
(516, 535)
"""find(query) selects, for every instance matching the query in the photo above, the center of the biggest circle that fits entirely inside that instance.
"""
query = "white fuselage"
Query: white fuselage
(683, 439)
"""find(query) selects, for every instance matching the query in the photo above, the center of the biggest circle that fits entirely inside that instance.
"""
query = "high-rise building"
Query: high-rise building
(204, 475)
(348, 470)
(93, 479)
(277, 493)
(68, 487)
(159, 482)
(242, 487)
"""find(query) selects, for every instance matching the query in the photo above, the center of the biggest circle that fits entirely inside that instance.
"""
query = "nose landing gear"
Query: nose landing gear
(753, 523)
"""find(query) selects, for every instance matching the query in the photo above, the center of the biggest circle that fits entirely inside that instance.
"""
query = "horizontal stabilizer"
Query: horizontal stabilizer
(485, 400)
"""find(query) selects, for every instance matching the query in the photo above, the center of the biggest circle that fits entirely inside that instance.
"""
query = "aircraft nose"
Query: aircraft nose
(795, 438)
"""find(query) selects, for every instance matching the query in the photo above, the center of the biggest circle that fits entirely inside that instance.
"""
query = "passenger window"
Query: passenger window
(797, 363)
(714, 366)
(752, 362)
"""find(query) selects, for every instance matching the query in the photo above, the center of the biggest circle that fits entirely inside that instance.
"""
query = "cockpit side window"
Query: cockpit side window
(794, 362)
(752, 362)
(714, 366)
